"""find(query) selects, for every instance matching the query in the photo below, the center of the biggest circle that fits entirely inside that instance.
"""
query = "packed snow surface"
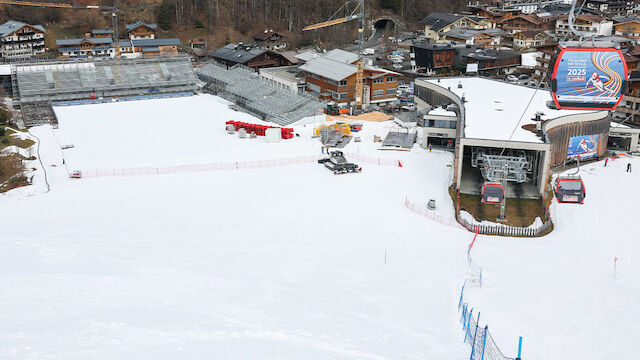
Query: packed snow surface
(284, 262)
(441, 111)
(495, 108)
(289, 262)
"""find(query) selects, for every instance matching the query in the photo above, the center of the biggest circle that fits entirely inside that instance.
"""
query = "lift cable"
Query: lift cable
(537, 87)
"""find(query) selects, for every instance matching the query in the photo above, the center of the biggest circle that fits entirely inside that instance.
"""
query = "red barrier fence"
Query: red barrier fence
(218, 166)
(260, 130)
(445, 220)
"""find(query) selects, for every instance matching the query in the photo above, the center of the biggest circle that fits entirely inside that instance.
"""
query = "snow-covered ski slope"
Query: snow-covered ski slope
(558, 292)
(288, 262)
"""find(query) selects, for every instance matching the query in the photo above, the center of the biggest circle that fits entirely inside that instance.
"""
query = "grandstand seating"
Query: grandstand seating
(66, 80)
(256, 94)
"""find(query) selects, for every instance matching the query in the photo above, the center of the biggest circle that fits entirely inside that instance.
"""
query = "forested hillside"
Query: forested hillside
(220, 21)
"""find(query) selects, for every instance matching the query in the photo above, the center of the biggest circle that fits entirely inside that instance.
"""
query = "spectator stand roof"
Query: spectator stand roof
(258, 95)
(71, 80)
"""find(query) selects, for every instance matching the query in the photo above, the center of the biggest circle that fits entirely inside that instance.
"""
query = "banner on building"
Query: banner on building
(583, 146)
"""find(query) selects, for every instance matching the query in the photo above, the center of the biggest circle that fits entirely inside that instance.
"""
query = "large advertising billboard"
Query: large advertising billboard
(583, 146)
(589, 78)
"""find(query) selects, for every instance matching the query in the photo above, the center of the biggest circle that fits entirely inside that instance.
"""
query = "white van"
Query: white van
(369, 51)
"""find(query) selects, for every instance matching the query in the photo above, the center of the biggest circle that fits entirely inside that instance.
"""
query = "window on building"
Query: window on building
(343, 83)
(332, 82)
(343, 95)
(314, 76)
(442, 124)
(377, 93)
(379, 80)
(391, 78)
(391, 91)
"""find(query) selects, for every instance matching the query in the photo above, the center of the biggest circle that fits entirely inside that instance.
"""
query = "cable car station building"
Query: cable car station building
(497, 140)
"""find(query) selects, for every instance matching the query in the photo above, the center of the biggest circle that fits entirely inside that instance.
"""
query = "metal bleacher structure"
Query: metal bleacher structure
(261, 97)
(37, 85)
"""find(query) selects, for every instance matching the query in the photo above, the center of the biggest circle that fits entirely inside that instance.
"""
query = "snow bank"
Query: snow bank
(537, 222)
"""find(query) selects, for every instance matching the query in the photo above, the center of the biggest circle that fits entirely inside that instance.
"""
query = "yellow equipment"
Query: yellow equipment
(356, 13)
(344, 128)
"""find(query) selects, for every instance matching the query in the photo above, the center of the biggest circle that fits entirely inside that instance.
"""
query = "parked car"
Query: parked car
(408, 107)
(512, 78)
(369, 51)
(403, 87)
(397, 66)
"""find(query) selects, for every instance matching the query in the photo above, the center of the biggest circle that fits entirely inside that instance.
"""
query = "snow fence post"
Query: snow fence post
(484, 340)
(467, 325)
(519, 349)
(475, 333)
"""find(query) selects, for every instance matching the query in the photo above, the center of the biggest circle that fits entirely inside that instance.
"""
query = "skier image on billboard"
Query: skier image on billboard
(590, 78)
(585, 147)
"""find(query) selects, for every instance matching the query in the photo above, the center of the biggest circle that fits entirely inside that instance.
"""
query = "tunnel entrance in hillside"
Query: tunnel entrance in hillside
(382, 24)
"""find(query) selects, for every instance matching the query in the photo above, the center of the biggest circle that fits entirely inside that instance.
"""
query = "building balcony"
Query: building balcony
(630, 35)
(542, 59)
(22, 41)
(626, 110)
(632, 99)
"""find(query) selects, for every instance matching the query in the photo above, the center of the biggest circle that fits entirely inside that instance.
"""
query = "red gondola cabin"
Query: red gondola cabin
(492, 193)
(588, 78)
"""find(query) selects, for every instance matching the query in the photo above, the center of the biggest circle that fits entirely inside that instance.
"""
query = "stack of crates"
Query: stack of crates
(287, 133)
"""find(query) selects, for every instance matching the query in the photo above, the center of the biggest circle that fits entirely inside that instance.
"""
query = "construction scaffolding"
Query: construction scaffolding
(44, 82)
(265, 99)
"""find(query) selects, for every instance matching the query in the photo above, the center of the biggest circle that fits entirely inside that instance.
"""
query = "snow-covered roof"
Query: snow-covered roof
(307, 55)
(5, 69)
(13, 25)
(341, 56)
(329, 68)
(614, 125)
(529, 59)
(137, 24)
(493, 108)
(440, 111)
